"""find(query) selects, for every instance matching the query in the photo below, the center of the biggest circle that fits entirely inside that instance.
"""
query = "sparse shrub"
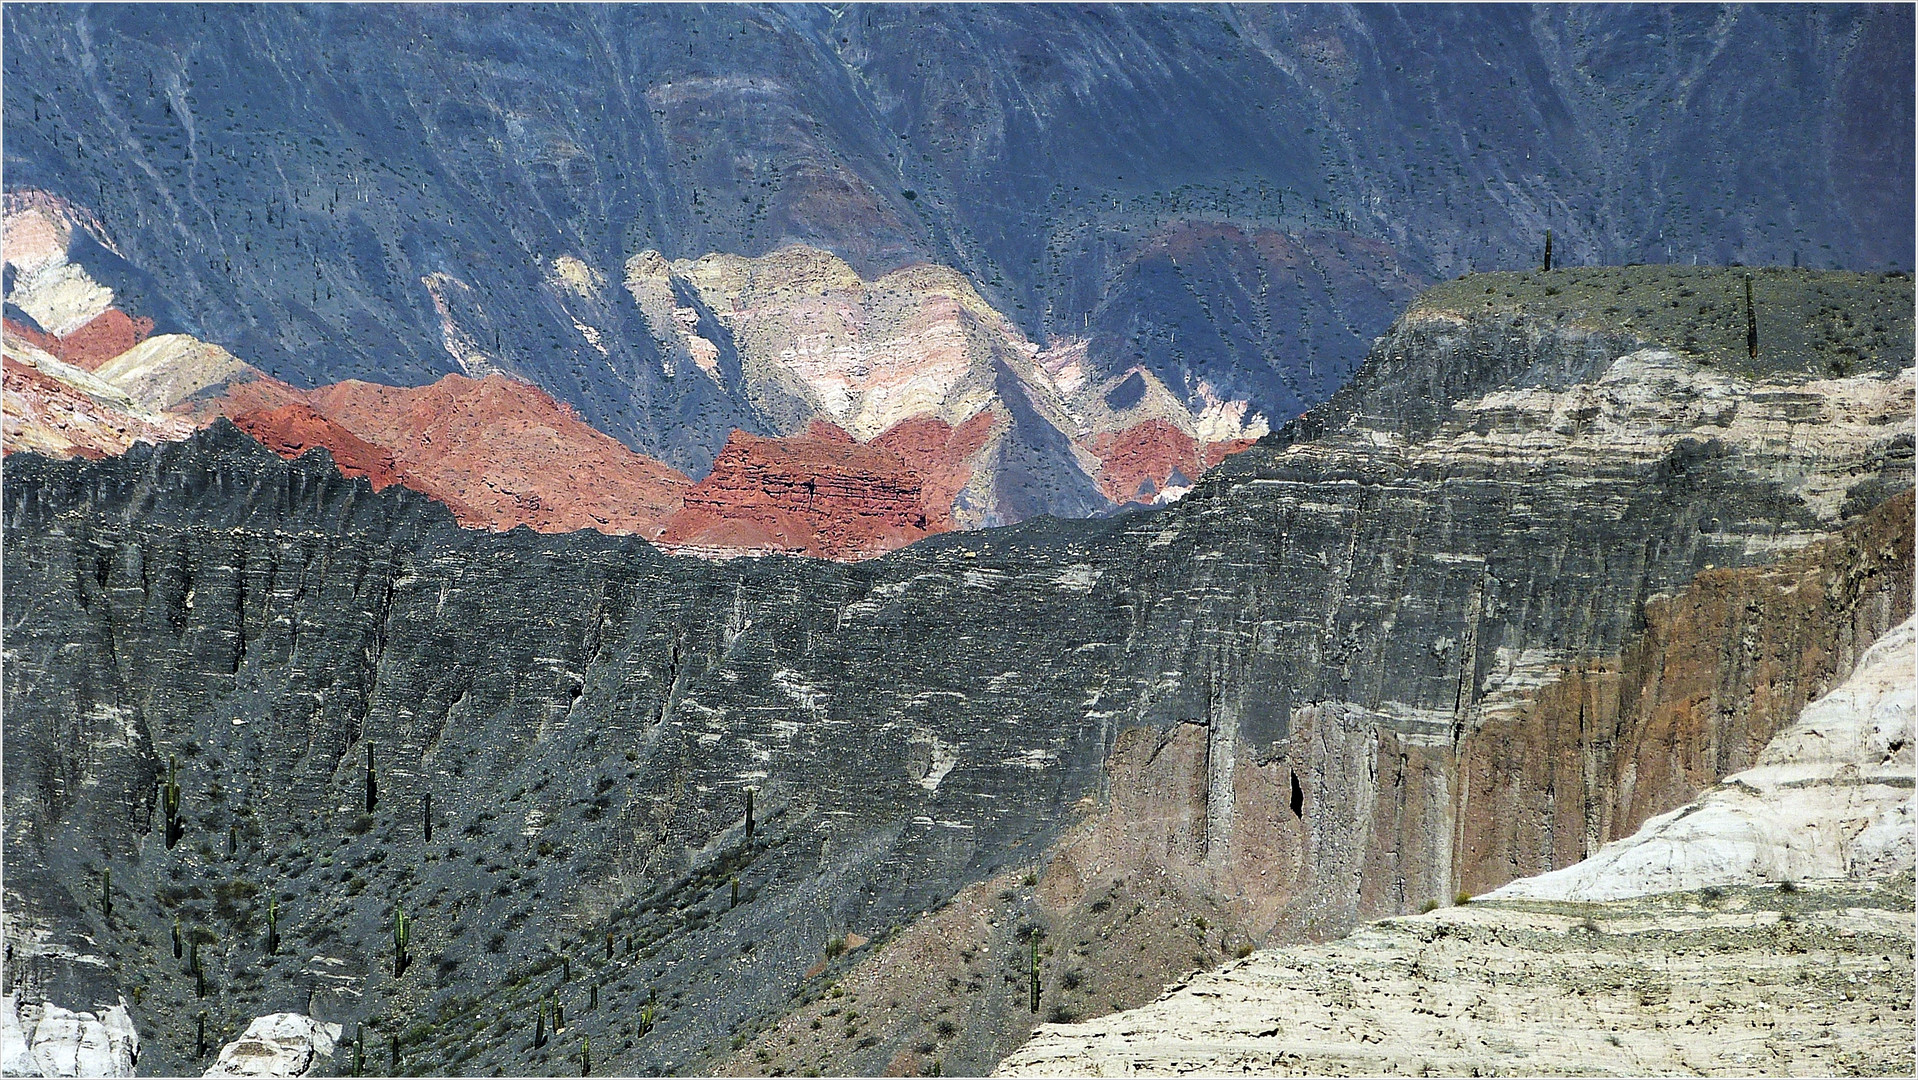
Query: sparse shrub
(1428, 907)
(1462, 899)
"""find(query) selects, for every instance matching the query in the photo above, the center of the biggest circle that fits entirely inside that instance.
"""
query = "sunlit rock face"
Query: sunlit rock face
(278, 1044)
(1220, 196)
(1710, 939)
(503, 453)
(1537, 576)
(40, 1038)
(810, 340)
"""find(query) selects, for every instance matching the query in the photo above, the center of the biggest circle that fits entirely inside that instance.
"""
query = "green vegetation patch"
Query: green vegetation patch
(1823, 323)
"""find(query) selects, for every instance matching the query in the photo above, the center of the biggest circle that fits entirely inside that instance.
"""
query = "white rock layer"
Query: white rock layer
(1829, 798)
(44, 1039)
(278, 1044)
(1614, 966)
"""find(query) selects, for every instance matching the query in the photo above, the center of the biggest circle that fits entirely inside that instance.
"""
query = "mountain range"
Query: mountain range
(1138, 236)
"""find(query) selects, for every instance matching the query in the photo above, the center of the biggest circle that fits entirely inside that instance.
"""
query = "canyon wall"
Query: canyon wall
(1281, 700)
(396, 196)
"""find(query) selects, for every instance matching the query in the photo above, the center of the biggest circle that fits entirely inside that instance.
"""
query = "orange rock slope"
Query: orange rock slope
(1140, 463)
(502, 453)
(104, 337)
(824, 493)
(292, 430)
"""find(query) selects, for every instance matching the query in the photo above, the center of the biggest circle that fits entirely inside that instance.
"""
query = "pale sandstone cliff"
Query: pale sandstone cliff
(1771, 935)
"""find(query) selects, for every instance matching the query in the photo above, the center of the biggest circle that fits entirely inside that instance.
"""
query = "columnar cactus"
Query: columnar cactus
(426, 817)
(402, 936)
(1035, 970)
(539, 1026)
(1751, 321)
(106, 892)
(586, 1056)
(1548, 249)
(372, 784)
(272, 925)
(749, 817)
(176, 937)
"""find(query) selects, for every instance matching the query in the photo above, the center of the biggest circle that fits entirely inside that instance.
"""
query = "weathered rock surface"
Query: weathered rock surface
(1305, 667)
(1816, 841)
(808, 338)
(99, 340)
(1830, 798)
(821, 493)
(292, 430)
(501, 453)
(1746, 982)
(279, 1044)
(43, 1039)
(54, 409)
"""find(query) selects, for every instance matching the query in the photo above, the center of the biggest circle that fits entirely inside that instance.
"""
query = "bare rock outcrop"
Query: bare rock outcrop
(1830, 798)
(821, 493)
(278, 1044)
(1712, 940)
(44, 1039)
(293, 430)
(502, 453)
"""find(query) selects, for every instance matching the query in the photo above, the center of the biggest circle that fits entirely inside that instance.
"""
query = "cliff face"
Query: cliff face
(1280, 701)
(820, 493)
(1258, 240)
(1710, 941)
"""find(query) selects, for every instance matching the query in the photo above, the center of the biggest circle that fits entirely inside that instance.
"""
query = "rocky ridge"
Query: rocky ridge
(1259, 240)
(1762, 929)
(916, 360)
(1313, 666)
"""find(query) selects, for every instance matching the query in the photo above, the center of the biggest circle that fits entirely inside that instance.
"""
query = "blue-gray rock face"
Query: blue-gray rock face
(589, 716)
(1243, 197)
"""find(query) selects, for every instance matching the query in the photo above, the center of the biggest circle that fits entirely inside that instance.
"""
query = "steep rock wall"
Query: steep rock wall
(590, 714)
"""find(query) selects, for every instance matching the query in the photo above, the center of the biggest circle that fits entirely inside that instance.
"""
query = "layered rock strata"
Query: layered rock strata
(502, 453)
(1292, 670)
(1763, 929)
(1741, 982)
